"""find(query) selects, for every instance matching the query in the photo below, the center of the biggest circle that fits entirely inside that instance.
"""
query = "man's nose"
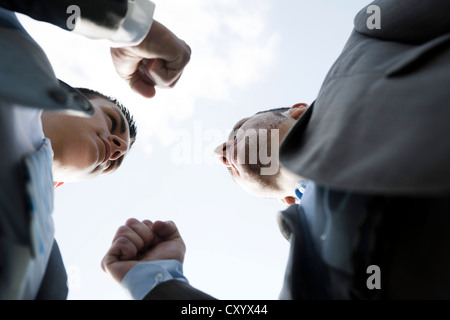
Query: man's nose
(118, 147)
(221, 153)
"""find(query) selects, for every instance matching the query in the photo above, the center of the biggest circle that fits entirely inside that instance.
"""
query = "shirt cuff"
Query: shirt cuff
(132, 30)
(145, 276)
(136, 25)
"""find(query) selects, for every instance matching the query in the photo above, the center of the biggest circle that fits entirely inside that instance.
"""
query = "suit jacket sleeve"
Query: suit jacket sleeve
(107, 13)
(408, 21)
(177, 290)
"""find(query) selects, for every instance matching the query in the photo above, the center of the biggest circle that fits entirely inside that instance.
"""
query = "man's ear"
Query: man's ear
(288, 200)
(57, 184)
(296, 111)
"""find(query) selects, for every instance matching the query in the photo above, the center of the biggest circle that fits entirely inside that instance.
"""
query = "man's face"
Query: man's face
(251, 152)
(87, 147)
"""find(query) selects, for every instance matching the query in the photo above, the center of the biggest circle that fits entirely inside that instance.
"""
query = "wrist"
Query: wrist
(145, 276)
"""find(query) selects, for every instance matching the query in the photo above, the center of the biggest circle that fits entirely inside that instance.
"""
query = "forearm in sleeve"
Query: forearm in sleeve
(123, 22)
(407, 21)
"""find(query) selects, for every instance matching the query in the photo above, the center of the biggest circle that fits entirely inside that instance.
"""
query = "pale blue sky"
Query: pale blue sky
(246, 56)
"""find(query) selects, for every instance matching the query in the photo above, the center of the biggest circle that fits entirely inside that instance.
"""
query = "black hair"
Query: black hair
(277, 111)
(89, 93)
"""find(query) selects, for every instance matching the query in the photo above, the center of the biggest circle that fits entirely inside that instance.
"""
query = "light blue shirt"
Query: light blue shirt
(145, 276)
(307, 196)
(25, 263)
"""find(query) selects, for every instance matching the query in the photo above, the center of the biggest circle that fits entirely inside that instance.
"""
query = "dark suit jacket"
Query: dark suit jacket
(27, 79)
(378, 128)
(106, 14)
(380, 120)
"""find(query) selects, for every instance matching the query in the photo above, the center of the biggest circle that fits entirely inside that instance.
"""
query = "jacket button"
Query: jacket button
(159, 277)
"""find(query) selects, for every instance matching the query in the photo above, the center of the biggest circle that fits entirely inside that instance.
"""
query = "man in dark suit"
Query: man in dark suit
(145, 54)
(373, 144)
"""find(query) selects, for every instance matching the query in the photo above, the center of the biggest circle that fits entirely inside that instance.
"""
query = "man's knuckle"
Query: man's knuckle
(123, 230)
(132, 222)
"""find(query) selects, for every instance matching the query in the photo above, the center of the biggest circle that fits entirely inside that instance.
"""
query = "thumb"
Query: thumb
(115, 261)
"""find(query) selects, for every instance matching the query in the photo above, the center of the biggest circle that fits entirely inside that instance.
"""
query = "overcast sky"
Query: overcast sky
(247, 56)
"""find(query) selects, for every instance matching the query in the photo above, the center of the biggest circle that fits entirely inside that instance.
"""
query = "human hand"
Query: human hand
(138, 241)
(158, 61)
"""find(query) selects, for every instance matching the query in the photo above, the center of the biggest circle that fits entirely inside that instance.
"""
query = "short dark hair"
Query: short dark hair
(277, 111)
(89, 93)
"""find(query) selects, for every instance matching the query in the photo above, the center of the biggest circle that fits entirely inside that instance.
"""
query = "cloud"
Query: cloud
(230, 44)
